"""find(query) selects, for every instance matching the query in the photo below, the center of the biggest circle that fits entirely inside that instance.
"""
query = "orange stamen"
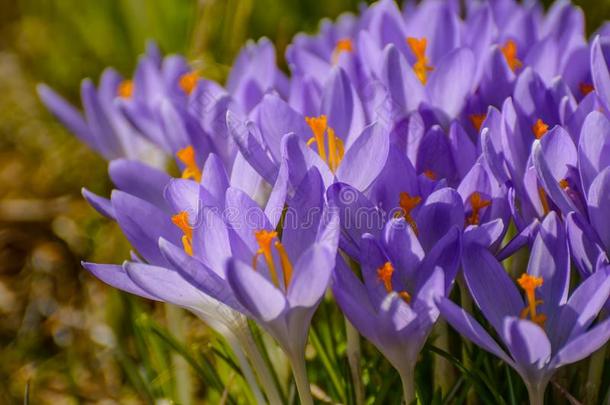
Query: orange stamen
(264, 239)
(188, 82)
(191, 171)
(529, 284)
(510, 53)
(430, 174)
(540, 128)
(384, 273)
(421, 66)
(125, 89)
(477, 120)
(407, 204)
(181, 220)
(343, 45)
(336, 150)
(585, 88)
(564, 184)
(544, 201)
(477, 203)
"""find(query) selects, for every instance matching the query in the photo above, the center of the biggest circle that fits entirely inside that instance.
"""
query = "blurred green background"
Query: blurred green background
(63, 334)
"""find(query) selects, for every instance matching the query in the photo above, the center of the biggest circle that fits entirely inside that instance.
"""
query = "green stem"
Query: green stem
(182, 375)
(444, 374)
(353, 358)
(299, 370)
(407, 377)
(235, 345)
(261, 367)
(536, 393)
(596, 368)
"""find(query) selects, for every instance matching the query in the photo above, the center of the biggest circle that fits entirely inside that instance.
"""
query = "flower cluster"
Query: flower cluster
(405, 150)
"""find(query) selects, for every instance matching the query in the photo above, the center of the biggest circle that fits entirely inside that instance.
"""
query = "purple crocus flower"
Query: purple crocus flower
(277, 282)
(394, 307)
(546, 329)
(159, 217)
(577, 180)
(103, 127)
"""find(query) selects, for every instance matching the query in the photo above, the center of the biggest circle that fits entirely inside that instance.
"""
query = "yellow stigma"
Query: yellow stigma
(510, 53)
(585, 88)
(384, 273)
(407, 204)
(564, 184)
(181, 220)
(540, 128)
(477, 120)
(191, 171)
(125, 89)
(529, 285)
(319, 127)
(264, 239)
(477, 203)
(343, 45)
(421, 67)
(188, 82)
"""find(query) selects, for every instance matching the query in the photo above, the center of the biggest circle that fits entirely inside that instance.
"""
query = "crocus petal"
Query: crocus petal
(99, 124)
(311, 276)
(583, 307)
(255, 292)
(583, 345)
(549, 259)
(116, 276)
(400, 81)
(277, 199)
(342, 106)
(244, 216)
(451, 82)
(482, 270)
(529, 346)
(143, 224)
(599, 201)
(276, 119)
(249, 143)
(366, 157)
(401, 244)
(100, 204)
(301, 159)
(140, 180)
(215, 179)
(593, 147)
(442, 210)
(67, 114)
(467, 326)
(583, 243)
(434, 154)
(183, 195)
(303, 215)
(462, 149)
(599, 70)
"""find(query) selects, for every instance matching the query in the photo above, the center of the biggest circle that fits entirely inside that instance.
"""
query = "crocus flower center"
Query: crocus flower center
(191, 170)
(181, 220)
(585, 88)
(477, 120)
(343, 45)
(264, 239)
(319, 127)
(125, 89)
(421, 67)
(510, 53)
(188, 82)
(529, 284)
(384, 273)
(540, 128)
(477, 203)
(430, 174)
(564, 184)
(407, 204)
